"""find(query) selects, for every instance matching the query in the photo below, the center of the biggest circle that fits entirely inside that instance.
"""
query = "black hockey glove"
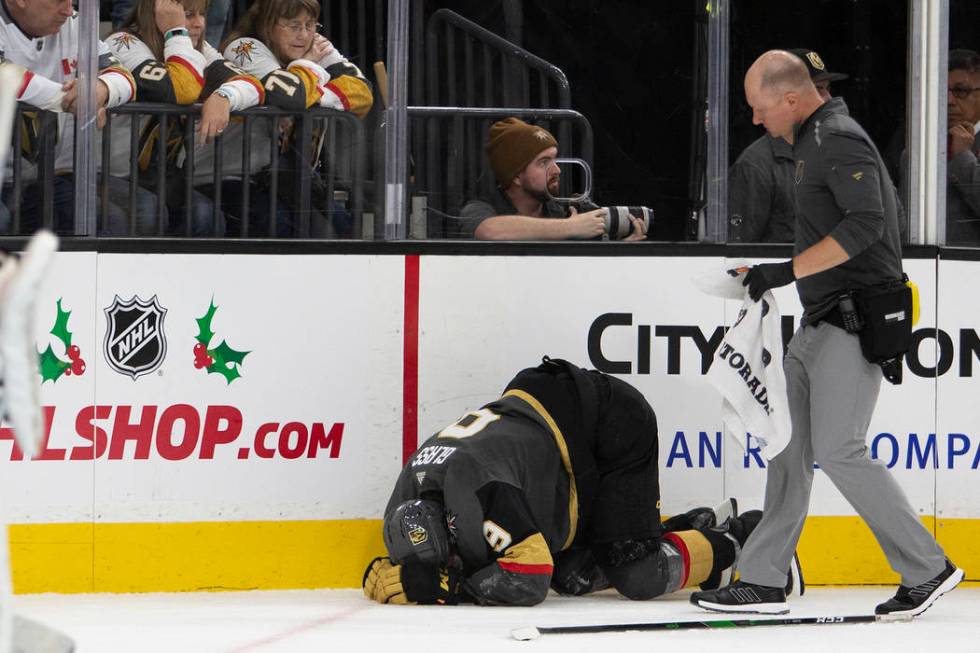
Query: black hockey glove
(411, 583)
(766, 276)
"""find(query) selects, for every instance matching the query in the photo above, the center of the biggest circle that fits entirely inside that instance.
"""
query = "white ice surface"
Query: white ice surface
(343, 620)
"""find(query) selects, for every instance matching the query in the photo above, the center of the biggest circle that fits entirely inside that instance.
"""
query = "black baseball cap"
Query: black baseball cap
(814, 64)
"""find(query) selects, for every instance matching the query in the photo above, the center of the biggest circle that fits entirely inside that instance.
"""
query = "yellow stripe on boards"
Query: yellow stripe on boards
(195, 556)
(960, 539)
(843, 551)
(51, 557)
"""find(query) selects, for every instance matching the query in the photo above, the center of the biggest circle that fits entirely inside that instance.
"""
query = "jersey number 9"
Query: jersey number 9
(469, 424)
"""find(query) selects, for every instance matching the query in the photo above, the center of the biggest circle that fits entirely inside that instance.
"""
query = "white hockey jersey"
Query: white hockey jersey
(184, 77)
(50, 61)
(333, 82)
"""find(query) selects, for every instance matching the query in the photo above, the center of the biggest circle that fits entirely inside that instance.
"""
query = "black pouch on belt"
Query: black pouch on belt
(886, 310)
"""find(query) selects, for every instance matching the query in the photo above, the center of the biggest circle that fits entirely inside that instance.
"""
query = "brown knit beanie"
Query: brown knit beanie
(512, 145)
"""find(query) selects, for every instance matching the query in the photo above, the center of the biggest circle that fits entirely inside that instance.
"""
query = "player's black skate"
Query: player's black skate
(737, 531)
(700, 518)
(912, 601)
(743, 597)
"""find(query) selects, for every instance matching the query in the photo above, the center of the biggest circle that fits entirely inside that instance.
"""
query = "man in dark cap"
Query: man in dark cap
(760, 182)
(522, 158)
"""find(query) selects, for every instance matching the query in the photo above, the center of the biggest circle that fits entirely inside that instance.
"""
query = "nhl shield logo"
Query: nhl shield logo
(134, 340)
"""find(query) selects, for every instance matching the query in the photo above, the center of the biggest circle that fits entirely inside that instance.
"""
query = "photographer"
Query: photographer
(522, 158)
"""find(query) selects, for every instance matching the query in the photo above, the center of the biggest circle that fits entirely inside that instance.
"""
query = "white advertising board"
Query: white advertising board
(484, 318)
(323, 378)
(956, 358)
(297, 392)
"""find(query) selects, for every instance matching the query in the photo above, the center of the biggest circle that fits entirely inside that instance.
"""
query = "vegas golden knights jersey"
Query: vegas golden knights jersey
(185, 76)
(333, 82)
(526, 476)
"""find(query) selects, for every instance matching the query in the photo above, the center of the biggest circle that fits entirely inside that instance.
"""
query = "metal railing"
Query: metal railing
(349, 170)
(349, 28)
(470, 76)
(44, 159)
(494, 71)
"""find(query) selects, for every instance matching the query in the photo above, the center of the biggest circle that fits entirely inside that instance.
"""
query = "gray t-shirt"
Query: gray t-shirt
(476, 211)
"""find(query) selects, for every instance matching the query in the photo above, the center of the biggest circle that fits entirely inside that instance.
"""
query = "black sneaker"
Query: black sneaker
(914, 601)
(743, 597)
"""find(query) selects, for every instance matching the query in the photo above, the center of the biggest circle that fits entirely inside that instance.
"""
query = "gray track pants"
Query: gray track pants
(832, 394)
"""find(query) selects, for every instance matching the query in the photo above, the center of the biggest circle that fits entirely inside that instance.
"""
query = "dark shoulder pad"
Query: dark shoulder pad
(153, 82)
(285, 90)
(217, 73)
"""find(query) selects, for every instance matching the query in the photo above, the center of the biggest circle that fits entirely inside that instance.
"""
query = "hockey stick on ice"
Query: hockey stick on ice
(531, 632)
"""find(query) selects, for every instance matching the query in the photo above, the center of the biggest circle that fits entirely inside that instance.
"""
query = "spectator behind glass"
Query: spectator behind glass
(219, 11)
(120, 11)
(41, 38)
(163, 45)
(218, 14)
(761, 181)
(277, 42)
(963, 168)
(522, 158)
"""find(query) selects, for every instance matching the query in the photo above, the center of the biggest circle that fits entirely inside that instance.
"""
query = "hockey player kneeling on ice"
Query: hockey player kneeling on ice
(556, 485)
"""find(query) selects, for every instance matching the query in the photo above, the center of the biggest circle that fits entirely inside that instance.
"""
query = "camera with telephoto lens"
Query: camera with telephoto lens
(618, 223)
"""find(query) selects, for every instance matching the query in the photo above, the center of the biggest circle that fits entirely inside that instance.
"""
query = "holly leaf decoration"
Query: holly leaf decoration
(226, 354)
(226, 361)
(51, 367)
(60, 328)
(204, 332)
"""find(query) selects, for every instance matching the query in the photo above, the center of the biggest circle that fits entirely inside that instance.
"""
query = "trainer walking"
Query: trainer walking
(847, 241)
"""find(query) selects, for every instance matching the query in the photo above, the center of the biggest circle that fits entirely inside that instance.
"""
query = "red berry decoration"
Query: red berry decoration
(200, 349)
(198, 363)
(78, 367)
(68, 372)
(74, 352)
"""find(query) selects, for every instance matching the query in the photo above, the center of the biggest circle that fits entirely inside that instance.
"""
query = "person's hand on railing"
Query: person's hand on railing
(69, 101)
(588, 224)
(215, 114)
(319, 49)
(169, 15)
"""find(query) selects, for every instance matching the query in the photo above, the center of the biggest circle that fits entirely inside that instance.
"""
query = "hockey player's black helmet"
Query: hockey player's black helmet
(416, 531)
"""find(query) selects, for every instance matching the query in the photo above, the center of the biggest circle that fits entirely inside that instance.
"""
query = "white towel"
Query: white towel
(747, 369)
